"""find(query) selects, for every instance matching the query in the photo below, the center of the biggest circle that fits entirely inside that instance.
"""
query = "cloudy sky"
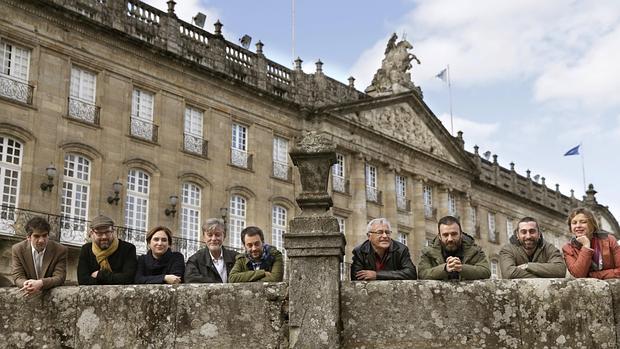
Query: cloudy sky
(530, 79)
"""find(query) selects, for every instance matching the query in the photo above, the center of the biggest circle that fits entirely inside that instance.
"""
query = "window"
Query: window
(473, 217)
(237, 213)
(280, 158)
(136, 208)
(190, 211)
(403, 237)
(142, 115)
(14, 61)
(82, 95)
(427, 196)
(74, 201)
(10, 174)
(342, 224)
(278, 225)
(338, 173)
(401, 193)
(371, 183)
(494, 274)
(509, 227)
(239, 145)
(451, 205)
(492, 234)
(193, 141)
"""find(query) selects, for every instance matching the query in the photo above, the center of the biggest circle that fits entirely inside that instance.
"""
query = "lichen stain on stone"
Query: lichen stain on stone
(88, 323)
(560, 340)
(324, 337)
(209, 330)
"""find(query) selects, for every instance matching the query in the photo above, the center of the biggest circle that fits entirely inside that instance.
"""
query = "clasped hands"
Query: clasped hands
(453, 264)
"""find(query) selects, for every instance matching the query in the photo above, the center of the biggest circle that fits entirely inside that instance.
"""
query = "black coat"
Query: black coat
(123, 264)
(152, 271)
(200, 268)
(398, 264)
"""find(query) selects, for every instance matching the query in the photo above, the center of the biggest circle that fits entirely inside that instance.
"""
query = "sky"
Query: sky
(530, 79)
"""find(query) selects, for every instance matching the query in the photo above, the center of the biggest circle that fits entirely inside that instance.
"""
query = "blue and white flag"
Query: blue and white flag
(443, 75)
(573, 151)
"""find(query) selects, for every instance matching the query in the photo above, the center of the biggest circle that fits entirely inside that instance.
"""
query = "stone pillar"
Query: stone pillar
(419, 221)
(315, 247)
(358, 200)
(389, 199)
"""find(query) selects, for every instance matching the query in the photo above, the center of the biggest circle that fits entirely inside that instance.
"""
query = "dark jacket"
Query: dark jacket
(152, 271)
(123, 263)
(474, 261)
(200, 268)
(546, 262)
(243, 271)
(398, 264)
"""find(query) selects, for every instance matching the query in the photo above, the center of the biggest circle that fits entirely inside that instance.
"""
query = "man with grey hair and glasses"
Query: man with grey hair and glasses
(213, 263)
(380, 257)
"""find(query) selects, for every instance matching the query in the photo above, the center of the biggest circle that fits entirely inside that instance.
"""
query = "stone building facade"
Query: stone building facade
(130, 112)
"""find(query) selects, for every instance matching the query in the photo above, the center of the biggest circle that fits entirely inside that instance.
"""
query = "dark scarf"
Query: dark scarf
(157, 266)
(265, 263)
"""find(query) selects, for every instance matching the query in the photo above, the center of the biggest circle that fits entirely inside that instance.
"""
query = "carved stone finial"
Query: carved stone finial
(528, 173)
(351, 82)
(512, 166)
(313, 154)
(319, 66)
(394, 76)
(590, 198)
(171, 4)
(476, 147)
(298, 62)
(259, 47)
(557, 187)
(495, 159)
(218, 27)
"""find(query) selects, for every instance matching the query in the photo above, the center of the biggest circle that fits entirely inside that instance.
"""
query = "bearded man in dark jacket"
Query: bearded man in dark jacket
(380, 257)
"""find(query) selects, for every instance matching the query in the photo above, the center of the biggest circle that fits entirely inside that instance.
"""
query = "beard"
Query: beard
(454, 246)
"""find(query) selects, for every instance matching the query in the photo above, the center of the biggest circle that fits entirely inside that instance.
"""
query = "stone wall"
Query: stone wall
(153, 316)
(542, 313)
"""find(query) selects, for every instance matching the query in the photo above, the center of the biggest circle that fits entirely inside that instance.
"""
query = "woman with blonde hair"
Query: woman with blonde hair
(591, 252)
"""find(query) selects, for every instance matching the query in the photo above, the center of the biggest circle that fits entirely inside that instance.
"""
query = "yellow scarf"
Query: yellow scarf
(102, 255)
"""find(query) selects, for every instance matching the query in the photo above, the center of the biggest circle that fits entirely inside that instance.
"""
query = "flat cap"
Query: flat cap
(101, 221)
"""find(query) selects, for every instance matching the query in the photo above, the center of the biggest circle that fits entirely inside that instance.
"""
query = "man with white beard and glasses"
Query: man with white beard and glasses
(453, 255)
(528, 255)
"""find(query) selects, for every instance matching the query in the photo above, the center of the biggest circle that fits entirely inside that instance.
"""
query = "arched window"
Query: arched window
(137, 208)
(10, 174)
(74, 201)
(237, 212)
(190, 211)
(278, 225)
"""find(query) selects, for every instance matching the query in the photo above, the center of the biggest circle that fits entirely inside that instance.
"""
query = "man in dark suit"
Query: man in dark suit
(213, 263)
(106, 260)
(38, 263)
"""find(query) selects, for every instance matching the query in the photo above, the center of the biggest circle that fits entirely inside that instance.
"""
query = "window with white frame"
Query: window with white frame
(278, 225)
(494, 274)
(452, 204)
(473, 218)
(14, 61)
(491, 220)
(10, 174)
(239, 145)
(137, 207)
(427, 196)
(371, 183)
(401, 192)
(342, 224)
(74, 200)
(190, 211)
(338, 174)
(280, 158)
(509, 227)
(237, 214)
(403, 238)
(142, 114)
(83, 85)
(193, 120)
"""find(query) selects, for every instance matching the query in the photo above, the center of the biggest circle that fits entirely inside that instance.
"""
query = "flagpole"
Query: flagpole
(450, 96)
(293, 30)
(583, 169)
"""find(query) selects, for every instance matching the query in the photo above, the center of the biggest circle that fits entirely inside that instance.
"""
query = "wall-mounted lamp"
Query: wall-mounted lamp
(173, 204)
(51, 173)
(116, 187)
(224, 215)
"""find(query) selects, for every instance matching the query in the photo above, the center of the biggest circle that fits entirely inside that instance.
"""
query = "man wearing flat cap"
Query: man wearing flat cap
(106, 260)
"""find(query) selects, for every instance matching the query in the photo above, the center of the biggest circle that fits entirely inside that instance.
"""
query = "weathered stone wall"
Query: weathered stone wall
(153, 316)
(542, 313)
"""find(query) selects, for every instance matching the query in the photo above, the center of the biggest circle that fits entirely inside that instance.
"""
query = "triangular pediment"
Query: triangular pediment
(407, 120)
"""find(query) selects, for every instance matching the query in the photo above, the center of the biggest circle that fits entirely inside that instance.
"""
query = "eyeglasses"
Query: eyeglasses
(102, 233)
(381, 232)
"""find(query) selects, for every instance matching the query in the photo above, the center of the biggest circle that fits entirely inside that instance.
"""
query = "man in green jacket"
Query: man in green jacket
(453, 255)
(527, 255)
(260, 262)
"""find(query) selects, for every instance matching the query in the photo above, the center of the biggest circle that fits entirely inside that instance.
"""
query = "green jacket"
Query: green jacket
(241, 272)
(475, 263)
(547, 261)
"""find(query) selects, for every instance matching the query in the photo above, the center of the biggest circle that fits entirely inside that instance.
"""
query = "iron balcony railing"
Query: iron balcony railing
(144, 129)
(15, 89)
(84, 111)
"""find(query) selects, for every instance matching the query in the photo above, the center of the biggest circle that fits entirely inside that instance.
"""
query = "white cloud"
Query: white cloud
(479, 132)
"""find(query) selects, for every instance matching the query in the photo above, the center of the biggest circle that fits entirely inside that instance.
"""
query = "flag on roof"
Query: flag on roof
(443, 75)
(573, 151)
